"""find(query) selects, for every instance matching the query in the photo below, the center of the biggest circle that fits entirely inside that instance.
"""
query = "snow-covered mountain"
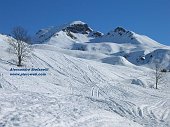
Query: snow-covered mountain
(68, 34)
(118, 42)
(79, 32)
(92, 79)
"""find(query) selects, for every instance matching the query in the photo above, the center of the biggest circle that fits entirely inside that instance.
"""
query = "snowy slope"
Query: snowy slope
(80, 90)
(78, 35)
(161, 55)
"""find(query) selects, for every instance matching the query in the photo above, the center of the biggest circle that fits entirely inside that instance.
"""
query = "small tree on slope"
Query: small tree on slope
(158, 74)
(20, 43)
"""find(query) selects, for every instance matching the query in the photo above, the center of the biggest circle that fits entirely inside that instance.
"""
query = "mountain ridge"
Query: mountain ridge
(83, 28)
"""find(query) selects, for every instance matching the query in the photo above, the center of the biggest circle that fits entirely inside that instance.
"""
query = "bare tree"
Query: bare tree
(159, 74)
(19, 43)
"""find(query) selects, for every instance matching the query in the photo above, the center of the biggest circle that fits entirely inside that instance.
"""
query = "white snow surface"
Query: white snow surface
(101, 86)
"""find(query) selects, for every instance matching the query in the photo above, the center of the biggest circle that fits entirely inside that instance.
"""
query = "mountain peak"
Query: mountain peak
(70, 30)
(120, 29)
(77, 22)
(78, 27)
(120, 32)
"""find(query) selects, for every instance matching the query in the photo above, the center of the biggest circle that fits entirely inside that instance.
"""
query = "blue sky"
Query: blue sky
(148, 17)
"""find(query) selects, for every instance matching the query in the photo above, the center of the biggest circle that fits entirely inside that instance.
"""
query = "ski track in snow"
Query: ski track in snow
(79, 92)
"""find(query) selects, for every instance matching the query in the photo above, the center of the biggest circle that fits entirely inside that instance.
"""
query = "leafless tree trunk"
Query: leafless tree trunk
(20, 43)
(159, 75)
